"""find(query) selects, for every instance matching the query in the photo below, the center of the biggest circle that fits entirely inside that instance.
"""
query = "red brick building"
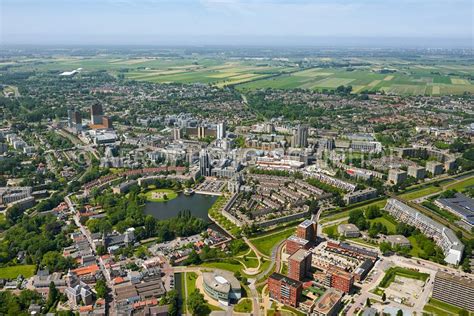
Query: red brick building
(341, 280)
(299, 265)
(307, 230)
(294, 243)
(284, 289)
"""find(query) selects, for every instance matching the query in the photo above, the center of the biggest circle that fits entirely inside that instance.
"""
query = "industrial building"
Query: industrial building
(454, 290)
(460, 205)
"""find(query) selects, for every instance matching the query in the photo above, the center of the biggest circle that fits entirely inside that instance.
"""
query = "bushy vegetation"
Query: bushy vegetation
(36, 236)
(12, 304)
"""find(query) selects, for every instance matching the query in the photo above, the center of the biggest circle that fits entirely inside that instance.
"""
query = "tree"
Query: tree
(384, 297)
(53, 295)
(368, 303)
(171, 299)
(385, 248)
(150, 226)
(463, 312)
(193, 258)
(101, 288)
(197, 304)
(13, 214)
(237, 275)
(101, 250)
(372, 212)
(399, 312)
(3, 181)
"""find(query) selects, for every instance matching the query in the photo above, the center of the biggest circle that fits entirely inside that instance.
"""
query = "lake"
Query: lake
(198, 204)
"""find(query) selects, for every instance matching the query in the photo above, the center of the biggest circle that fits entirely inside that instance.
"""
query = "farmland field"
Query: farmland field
(388, 75)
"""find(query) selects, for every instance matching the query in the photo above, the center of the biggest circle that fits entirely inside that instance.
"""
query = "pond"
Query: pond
(197, 204)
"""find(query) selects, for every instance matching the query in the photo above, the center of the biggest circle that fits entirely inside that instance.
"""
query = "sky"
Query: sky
(238, 22)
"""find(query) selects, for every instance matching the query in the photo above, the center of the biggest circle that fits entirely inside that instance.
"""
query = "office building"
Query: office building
(454, 290)
(204, 163)
(398, 240)
(176, 133)
(222, 286)
(284, 289)
(220, 130)
(96, 114)
(107, 122)
(299, 265)
(300, 136)
(348, 230)
(72, 117)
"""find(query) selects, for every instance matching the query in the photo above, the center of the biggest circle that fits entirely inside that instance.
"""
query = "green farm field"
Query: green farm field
(390, 75)
(413, 81)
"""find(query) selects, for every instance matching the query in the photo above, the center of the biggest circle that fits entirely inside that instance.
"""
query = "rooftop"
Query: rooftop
(460, 204)
(299, 255)
(285, 279)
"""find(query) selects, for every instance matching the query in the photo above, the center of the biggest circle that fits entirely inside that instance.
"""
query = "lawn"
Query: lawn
(391, 273)
(160, 195)
(437, 307)
(387, 221)
(249, 261)
(332, 229)
(345, 211)
(420, 193)
(244, 306)
(415, 250)
(233, 267)
(265, 243)
(459, 186)
(13, 272)
(191, 278)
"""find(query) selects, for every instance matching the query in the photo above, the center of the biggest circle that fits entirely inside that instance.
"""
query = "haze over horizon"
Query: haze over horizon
(371, 23)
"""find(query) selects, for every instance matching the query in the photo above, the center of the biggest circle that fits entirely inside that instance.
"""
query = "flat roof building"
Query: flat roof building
(443, 236)
(284, 289)
(348, 230)
(396, 176)
(294, 243)
(299, 265)
(328, 304)
(398, 240)
(307, 230)
(460, 205)
(454, 290)
(416, 172)
(222, 286)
